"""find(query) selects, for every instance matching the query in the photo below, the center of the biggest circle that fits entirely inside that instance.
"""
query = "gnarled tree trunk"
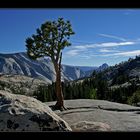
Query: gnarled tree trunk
(59, 94)
(60, 99)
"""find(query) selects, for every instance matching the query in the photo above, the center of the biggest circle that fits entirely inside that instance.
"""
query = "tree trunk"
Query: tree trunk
(60, 99)
(59, 94)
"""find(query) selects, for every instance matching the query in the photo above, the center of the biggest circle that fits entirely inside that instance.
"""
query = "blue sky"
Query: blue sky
(101, 35)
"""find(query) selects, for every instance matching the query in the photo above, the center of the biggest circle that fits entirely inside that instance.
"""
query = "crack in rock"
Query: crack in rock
(119, 110)
(97, 107)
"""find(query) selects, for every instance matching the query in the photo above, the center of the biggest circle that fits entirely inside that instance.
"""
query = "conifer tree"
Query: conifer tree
(50, 40)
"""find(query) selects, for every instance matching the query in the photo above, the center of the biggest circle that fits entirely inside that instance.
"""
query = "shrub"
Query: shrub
(135, 98)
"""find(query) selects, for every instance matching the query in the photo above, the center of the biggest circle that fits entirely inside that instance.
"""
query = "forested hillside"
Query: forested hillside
(119, 83)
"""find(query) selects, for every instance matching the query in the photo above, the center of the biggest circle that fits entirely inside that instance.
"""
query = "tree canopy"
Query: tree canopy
(50, 39)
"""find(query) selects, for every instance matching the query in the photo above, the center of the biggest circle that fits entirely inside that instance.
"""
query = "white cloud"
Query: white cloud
(106, 50)
(72, 52)
(86, 56)
(127, 53)
(104, 45)
(117, 54)
(114, 44)
(82, 47)
(112, 36)
(103, 48)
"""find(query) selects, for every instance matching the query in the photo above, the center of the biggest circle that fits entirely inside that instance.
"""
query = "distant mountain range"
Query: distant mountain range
(20, 64)
(87, 68)
(124, 73)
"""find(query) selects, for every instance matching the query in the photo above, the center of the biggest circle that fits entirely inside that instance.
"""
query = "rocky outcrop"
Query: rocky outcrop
(22, 113)
(20, 84)
(100, 115)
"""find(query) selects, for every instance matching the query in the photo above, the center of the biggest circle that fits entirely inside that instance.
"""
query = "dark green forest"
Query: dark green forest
(95, 87)
(113, 84)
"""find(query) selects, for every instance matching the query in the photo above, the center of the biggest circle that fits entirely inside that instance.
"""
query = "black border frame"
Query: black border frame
(69, 4)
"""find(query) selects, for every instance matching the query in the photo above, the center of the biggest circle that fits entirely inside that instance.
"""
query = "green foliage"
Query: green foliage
(135, 98)
(50, 39)
(94, 88)
(93, 94)
(2, 85)
(41, 93)
(70, 91)
(120, 79)
(45, 93)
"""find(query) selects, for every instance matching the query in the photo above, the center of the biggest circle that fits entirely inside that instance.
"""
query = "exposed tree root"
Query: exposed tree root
(56, 107)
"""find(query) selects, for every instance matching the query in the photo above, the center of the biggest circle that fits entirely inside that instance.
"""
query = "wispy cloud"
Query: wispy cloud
(112, 36)
(107, 50)
(105, 45)
(86, 56)
(114, 44)
(116, 53)
(129, 53)
(126, 53)
(83, 47)
(72, 52)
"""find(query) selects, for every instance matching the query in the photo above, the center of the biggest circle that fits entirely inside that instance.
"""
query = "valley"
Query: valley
(118, 83)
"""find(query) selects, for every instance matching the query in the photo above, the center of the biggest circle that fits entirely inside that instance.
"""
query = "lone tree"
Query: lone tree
(50, 39)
